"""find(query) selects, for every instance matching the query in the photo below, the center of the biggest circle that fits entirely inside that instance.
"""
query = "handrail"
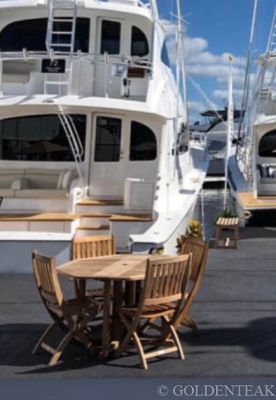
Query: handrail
(72, 137)
(94, 57)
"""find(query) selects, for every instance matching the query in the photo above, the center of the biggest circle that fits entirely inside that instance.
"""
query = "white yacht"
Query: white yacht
(213, 124)
(252, 165)
(93, 129)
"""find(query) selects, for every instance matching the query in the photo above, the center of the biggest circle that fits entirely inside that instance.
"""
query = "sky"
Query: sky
(213, 30)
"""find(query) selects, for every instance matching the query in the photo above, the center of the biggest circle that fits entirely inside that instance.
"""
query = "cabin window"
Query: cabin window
(139, 43)
(165, 55)
(38, 138)
(267, 146)
(110, 38)
(143, 146)
(31, 35)
(108, 139)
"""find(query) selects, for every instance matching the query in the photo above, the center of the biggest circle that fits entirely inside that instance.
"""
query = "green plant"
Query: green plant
(225, 214)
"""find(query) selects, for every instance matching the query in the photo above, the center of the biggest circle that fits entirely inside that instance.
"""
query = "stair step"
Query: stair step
(131, 218)
(62, 20)
(94, 202)
(60, 44)
(93, 227)
(47, 217)
(62, 33)
(56, 83)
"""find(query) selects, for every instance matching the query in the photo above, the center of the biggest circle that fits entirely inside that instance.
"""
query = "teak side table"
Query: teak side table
(229, 224)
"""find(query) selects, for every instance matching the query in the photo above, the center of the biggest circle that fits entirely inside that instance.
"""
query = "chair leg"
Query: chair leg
(45, 334)
(59, 350)
(131, 328)
(140, 350)
(188, 321)
(177, 342)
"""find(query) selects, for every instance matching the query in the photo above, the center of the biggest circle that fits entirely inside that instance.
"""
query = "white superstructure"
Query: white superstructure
(93, 129)
(253, 161)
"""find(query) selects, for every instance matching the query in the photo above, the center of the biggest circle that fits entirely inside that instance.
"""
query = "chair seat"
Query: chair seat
(151, 311)
(97, 293)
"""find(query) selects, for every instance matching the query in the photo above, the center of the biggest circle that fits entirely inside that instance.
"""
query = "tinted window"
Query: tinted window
(142, 143)
(110, 38)
(164, 55)
(31, 35)
(267, 146)
(139, 43)
(37, 138)
(108, 139)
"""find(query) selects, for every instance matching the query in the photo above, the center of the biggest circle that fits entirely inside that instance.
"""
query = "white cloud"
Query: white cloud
(200, 62)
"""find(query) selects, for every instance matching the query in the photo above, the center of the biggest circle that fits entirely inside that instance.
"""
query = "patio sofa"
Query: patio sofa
(36, 183)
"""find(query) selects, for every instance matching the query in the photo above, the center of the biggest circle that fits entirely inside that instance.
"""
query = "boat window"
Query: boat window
(38, 138)
(108, 139)
(139, 43)
(165, 55)
(110, 38)
(31, 34)
(143, 144)
(267, 146)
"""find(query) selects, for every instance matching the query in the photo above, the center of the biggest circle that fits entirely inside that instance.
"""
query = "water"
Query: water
(213, 206)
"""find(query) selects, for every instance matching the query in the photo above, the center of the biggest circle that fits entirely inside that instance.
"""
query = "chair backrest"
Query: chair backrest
(47, 281)
(199, 250)
(93, 246)
(166, 279)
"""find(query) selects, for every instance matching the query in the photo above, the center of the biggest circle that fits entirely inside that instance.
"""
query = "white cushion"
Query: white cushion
(65, 179)
(19, 184)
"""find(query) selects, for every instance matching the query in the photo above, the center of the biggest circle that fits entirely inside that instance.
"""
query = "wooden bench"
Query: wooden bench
(229, 224)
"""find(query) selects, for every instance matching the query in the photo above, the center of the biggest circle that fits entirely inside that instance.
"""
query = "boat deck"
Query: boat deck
(250, 202)
(235, 310)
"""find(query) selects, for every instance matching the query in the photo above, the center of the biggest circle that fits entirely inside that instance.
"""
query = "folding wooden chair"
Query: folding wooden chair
(93, 246)
(162, 297)
(74, 314)
(199, 250)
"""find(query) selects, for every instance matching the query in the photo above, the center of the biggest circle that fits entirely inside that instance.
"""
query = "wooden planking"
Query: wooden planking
(95, 227)
(123, 266)
(250, 202)
(39, 217)
(96, 202)
(131, 217)
(227, 222)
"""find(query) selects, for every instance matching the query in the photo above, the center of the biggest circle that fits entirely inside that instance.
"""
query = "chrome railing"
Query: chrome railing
(121, 64)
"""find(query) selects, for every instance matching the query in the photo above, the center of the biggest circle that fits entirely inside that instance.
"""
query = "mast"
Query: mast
(230, 120)
(247, 71)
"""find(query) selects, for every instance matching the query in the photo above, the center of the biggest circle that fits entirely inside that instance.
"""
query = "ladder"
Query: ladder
(60, 40)
(61, 27)
(72, 135)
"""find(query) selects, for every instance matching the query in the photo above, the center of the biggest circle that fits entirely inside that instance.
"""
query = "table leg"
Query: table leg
(80, 287)
(106, 320)
(117, 302)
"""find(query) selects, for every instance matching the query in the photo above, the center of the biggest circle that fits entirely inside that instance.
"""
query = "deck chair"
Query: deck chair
(74, 314)
(199, 250)
(162, 297)
(93, 246)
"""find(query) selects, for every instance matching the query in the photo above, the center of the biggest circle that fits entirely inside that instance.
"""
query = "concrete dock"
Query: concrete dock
(235, 310)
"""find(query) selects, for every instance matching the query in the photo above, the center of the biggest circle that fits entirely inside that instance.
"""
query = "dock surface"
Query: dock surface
(235, 311)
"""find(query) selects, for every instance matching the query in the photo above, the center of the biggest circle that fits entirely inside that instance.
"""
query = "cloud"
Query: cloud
(200, 63)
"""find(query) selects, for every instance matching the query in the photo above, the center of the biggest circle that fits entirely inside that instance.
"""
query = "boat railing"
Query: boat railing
(123, 67)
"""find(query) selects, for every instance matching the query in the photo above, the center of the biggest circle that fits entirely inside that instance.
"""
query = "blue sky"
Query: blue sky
(215, 28)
